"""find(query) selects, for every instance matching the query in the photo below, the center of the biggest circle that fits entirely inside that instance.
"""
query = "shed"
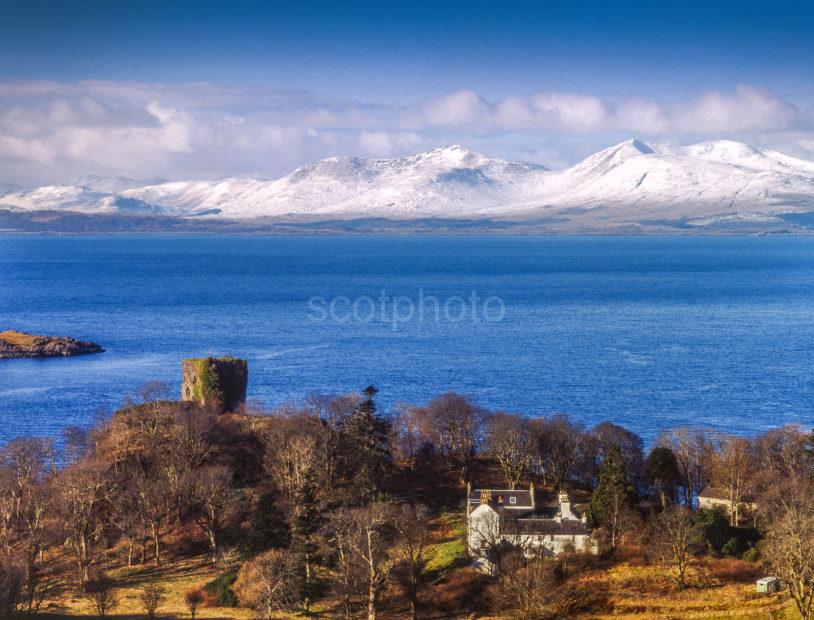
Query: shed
(768, 584)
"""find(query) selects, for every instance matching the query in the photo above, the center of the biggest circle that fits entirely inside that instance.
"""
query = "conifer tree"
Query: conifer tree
(306, 521)
(367, 447)
(614, 496)
(269, 529)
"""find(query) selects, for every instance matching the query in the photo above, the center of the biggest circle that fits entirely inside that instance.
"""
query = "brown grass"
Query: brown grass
(176, 577)
(18, 339)
(717, 589)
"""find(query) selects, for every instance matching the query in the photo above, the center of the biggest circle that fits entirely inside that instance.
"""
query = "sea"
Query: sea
(647, 332)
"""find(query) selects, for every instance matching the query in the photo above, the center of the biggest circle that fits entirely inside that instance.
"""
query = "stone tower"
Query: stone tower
(218, 382)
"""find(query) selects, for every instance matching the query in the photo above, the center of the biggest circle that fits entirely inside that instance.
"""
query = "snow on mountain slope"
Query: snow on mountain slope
(74, 198)
(635, 181)
(114, 185)
(628, 182)
(446, 182)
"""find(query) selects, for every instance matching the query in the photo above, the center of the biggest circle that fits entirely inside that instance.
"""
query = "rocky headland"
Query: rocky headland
(14, 344)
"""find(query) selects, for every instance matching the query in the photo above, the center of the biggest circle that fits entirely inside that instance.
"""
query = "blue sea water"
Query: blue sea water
(647, 332)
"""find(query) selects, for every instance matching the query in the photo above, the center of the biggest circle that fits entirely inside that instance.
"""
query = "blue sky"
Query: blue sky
(545, 81)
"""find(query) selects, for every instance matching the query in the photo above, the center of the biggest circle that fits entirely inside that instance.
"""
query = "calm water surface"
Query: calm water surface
(646, 332)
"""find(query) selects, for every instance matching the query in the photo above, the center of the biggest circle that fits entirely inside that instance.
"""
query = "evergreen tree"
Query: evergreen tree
(662, 474)
(366, 439)
(614, 496)
(306, 520)
(269, 529)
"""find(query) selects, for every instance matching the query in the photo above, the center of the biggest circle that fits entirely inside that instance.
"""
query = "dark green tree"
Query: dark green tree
(613, 499)
(366, 448)
(712, 527)
(662, 474)
(269, 529)
(306, 520)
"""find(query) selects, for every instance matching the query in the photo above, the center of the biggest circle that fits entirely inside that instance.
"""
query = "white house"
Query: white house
(516, 517)
(713, 497)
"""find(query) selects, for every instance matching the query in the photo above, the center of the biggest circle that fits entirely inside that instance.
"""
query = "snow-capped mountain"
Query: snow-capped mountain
(447, 182)
(627, 183)
(73, 198)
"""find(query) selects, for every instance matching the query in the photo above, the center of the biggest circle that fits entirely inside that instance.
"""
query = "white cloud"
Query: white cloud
(54, 131)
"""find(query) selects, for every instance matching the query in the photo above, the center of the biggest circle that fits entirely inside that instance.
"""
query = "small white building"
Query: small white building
(515, 517)
(712, 497)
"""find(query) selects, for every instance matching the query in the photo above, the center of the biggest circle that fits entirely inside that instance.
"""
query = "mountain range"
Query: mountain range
(627, 186)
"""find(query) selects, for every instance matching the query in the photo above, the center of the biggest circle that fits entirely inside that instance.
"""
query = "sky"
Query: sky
(207, 89)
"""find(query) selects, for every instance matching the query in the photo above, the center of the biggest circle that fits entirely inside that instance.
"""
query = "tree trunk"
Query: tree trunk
(156, 545)
(371, 603)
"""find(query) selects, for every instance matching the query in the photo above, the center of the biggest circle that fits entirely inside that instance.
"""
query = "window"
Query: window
(512, 500)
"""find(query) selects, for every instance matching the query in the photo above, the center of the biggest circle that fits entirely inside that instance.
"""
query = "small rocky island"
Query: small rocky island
(14, 344)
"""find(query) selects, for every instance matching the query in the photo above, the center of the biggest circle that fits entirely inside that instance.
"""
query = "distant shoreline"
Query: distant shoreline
(75, 223)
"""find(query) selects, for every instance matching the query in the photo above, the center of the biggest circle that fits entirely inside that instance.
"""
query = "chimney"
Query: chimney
(485, 496)
(565, 507)
(585, 518)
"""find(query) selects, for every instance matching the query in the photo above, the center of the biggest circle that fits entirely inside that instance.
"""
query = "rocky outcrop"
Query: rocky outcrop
(15, 344)
(217, 382)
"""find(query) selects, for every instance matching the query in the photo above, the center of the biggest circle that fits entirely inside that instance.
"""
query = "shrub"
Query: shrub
(731, 547)
(733, 570)
(221, 589)
(193, 599)
(752, 554)
(269, 583)
(151, 596)
(12, 578)
(461, 591)
(100, 590)
(713, 527)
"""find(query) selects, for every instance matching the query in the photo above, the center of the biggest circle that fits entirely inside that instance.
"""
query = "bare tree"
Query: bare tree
(789, 544)
(412, 523)
(294, 460)
(153, 498)
(151, 597)
(191, 436)
(269, 583)
(560, 448)
(533, 589)
(733, 466)
(365, 535)
(348, 578)
(100, 590)
(153, 396)
(213, 497)
(296, 463)
(692, 452)
(781, 453)
(671, 542)
(84, 491)
(193, 599)
(454, 424)
(26, 469)
(509, 441)
(333, 412)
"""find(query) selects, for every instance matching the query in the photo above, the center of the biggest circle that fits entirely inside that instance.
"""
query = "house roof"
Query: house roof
(502, 497)
(721, 495)
(547, 527)
(714, 493)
